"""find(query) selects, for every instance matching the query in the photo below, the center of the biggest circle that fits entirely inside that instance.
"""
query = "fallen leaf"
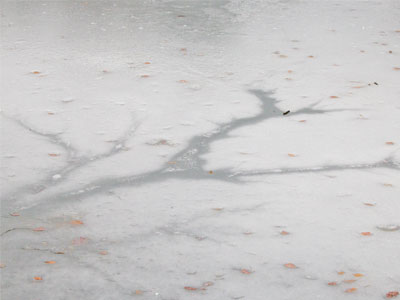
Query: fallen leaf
(104, 252)
(349, 281)
(39, 229)
(138, 292)
(183, 81)
(396, 68)
(351, 290)
(210, 172)
(292, 155)
(283, 232)
(59, 252)
(389, 143)
(392, 294)
(189, 288)
(282, 56)
(369, 204)
(218, 208)
(145, 76)
(290, 71)
(341, 273)
(366, 233)
(334, 97)
(358, 275)
(15, 214)
(2, 266)
(35, 72)
(310, 56)
(76, 222)
(79, 241)
(290, 266)
(50, 113)
(388, 184)
(50, 262)
(245, 271)
(183, 49)
(332, 283)
(208, 283)
(38, 278)
(54, 154)
(302, 121)
(147, 63)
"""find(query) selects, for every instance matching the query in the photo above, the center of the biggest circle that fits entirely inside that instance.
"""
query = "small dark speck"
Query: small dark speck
(375, 83)
(286, 112)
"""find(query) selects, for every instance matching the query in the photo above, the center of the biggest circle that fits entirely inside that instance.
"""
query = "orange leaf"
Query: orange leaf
(283, 232)
(349, 281)
(358, 275)
(145, 76)
(50, 262)
(189, 288)
(2, 266)
(302, 121)
(369, 204)
(367, 233)
(54, 154)
(389, 143)
(340, 273)
(38, 278)
(334, 97)
(290, 266)
(310, 56)
(76, 222)
(104, 252)
(79, 241)
(147, 63)
(39, 229)
(245, 271)
(392, 294)
(36, 72)
(351, 290)
(292, 155)
(183, 81)
(332, 283)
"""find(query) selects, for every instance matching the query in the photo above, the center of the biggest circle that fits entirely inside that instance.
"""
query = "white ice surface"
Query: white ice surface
(159, 125)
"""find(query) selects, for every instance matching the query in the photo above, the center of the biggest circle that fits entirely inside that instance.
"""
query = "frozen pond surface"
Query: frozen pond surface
(200, 150)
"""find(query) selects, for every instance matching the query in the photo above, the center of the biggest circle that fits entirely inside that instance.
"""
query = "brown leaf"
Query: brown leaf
(282, 56)
(210, 172)
(39, 229)
(292, 155)
(351, 290)
(290, 266)
(104, 252)
(334, 97)
(76, 222)
(50, 262)
(389, 143)
(283, 232)
(369, 204)
(147, 63)
(145, 76)
(302, 121)
(366, 233)
(388, 184)
(54, 154)
(59, 252)
(138, 292)
(396, 68)
(310, 56)
(38, 278)
(392, 294)
(245, 271)
(190, 288)
(332, 283)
